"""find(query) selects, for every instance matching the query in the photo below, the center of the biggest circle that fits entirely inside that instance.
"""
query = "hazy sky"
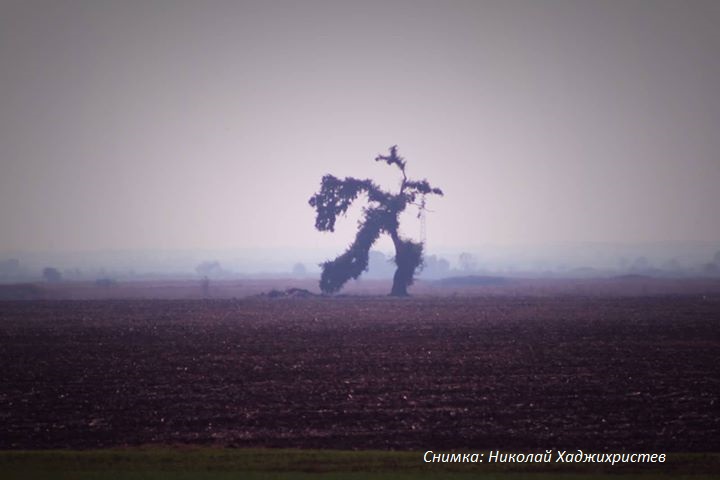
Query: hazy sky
(208, 124)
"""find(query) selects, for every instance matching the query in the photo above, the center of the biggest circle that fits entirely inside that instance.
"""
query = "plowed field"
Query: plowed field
(508, 373)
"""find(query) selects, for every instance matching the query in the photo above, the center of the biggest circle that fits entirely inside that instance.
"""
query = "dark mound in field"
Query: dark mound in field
(471, 280)
(289, 293)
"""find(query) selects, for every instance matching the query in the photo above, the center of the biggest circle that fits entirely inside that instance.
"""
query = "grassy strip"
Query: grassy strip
(223, 463)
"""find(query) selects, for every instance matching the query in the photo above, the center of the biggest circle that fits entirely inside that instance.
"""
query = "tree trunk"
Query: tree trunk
(399, 288)
(403, 275)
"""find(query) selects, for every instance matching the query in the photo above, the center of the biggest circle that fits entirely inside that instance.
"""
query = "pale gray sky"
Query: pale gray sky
(208, 124)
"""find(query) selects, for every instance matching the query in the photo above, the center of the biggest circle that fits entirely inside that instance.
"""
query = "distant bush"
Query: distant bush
(435, 267)
(467, 262)
(299, 270)
(51, 274)
(210, 269)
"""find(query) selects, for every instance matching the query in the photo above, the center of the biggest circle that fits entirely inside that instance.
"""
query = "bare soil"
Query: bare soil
(493, 372)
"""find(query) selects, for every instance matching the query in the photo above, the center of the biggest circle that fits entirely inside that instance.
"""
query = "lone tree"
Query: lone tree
(380, 216)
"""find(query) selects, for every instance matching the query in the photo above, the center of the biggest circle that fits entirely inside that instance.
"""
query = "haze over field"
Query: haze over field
(173, 125)
(173, 280)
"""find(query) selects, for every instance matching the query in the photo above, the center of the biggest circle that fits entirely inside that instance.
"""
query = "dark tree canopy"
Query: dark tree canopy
(381, 216)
